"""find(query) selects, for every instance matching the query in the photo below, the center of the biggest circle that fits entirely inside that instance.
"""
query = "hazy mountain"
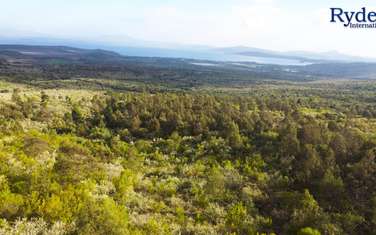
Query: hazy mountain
(133, 47)
(57, 54)
(330, 55)
(333, 56)
(63, 60)
(241, 49)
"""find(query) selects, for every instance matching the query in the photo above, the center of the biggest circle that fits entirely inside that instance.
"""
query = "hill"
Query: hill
(102, 68)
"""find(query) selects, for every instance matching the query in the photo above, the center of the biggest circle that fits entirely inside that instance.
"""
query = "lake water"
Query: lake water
(204, 55)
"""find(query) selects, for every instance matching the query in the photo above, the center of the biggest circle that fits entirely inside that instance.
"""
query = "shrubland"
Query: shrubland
(294, 159)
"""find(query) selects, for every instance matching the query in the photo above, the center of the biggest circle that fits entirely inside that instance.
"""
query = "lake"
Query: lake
(204, 55)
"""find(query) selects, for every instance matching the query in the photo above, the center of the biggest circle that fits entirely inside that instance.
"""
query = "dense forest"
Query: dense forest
(276, 159)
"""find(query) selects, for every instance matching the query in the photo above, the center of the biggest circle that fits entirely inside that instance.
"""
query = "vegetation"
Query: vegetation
(92, 142)
(271, 159)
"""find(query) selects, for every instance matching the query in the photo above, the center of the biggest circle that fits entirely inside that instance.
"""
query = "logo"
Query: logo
(354, 19)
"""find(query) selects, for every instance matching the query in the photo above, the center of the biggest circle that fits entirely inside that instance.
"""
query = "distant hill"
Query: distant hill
(134, 47)
(31, 62)
(329, 56)
(62, 53)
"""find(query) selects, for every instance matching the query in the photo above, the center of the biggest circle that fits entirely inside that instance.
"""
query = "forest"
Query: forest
(92, 142)
(291, 158)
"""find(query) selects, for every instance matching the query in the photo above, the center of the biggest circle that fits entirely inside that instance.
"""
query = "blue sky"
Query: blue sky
(271, 24)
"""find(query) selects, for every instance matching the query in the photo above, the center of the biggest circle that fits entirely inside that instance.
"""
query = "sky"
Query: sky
(283, 25)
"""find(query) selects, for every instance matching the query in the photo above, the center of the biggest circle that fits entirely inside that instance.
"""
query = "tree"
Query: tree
(310, 134)
(308, 165)
(308, 231)
(16, 97)
(233, 135)
(44, 99)
(103, 217)
(238, 221)
(77, 115)
(306, 213)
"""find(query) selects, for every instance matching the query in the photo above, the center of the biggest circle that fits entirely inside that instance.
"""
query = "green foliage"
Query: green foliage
(237, 220)
(272, 162)
(103, 217)
(11, 205)
(308, 231)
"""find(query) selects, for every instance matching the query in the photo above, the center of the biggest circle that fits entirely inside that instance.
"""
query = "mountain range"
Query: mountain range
(133, 47)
